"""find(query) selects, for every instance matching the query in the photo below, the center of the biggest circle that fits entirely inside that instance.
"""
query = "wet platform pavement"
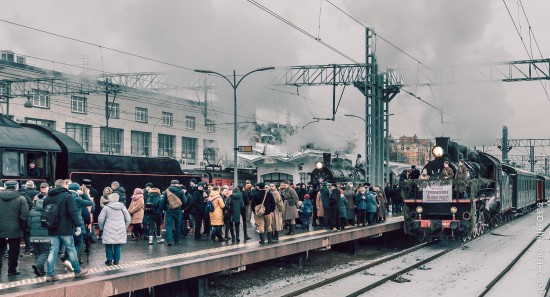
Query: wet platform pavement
(143, 265)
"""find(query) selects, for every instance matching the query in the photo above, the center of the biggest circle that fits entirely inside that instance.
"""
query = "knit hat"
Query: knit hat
(114, 197)
(86, 182)
(175, 182)
(138, 191)
(74, 186)
(193, 180)
(150, 185)
(306, 196)
(29, 184)
(260, 185)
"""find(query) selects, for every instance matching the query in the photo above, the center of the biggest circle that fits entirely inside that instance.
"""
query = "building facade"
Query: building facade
(131, 122)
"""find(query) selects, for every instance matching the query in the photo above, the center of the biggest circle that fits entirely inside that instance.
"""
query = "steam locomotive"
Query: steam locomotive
(493, 193)
(58, 156)
(335, 170)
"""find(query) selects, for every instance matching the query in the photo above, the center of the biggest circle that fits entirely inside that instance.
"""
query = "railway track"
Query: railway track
(512, 263)
(417, 256)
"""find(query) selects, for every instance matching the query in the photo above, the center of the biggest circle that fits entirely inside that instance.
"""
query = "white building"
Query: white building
(140, 122)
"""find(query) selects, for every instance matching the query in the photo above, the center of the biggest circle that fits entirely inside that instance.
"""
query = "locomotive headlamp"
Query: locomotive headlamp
(319, 165)
(454, 209)
(438, 151)
(419, 209)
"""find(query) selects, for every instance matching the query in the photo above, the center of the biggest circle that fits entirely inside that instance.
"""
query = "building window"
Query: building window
(40, 99)
(276, 177)
(167, 119)
(112, 140)
(210, 126)
(79, 104)
(45, 123)
(80, 133)
(113, 110)
(190, 123)
(189, 150)
(166, 145)
(304, 177)
(141, 114)
(141, 143)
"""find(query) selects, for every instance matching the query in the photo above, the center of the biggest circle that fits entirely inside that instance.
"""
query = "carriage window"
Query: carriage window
(10, 164)
(36, 164)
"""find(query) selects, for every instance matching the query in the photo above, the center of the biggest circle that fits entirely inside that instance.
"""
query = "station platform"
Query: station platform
(144, 266)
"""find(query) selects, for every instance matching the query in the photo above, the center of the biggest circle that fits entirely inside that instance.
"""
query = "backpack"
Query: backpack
(173, 200)
(210, 206)
(50, 217)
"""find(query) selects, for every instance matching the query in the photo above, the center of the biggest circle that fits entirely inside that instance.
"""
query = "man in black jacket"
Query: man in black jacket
(69, 224)
(246, 200)
(173, 212)
(333, 206)
(15, 214)
(198, 209)
(264, 197)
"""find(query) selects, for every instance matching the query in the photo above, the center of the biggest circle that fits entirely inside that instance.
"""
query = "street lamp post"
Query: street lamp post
(234, 84)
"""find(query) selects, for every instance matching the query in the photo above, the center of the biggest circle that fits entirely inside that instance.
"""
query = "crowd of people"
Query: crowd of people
(62, 221)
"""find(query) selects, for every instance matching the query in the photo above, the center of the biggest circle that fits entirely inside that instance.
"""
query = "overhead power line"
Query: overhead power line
(379, 36)
(525, 46)
(302, 30)
(97, 45)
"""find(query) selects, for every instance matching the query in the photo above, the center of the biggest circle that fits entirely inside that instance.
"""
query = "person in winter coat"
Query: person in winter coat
(154, 213)
(235, 205)
(198, 210)
(174, 212)
(137, 210)
(186, 217)
(263, 221)
(350, 207)
(320, 210)
(39, 239)
(325, 200)
(81, 202)
(307, 212)
(225, 193)
(121, 193)
(246, 200)
(333, 206)
(114, 219)
(291, 206)
(361, 202)
(216, 217)
(372, 206)
(381, 198)
(69, 225)
(342, 212)
(277, 222)
(15, 213)
(461, 176)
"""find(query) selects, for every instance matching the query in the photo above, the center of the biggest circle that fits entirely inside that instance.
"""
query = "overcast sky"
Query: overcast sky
(227, 35)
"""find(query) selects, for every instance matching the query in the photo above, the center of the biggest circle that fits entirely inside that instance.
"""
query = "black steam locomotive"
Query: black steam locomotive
(335, 170)
(452, 208)
(58, 156)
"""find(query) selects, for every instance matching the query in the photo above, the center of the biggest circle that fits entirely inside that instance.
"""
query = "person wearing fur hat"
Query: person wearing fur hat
(114, 219)
(216, 217)
(277, 222)
(154, 214)
(136, 210)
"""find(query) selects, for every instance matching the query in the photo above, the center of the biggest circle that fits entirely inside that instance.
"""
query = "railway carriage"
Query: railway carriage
(58, 156)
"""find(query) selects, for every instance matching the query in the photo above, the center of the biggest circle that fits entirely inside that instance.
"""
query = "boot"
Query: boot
(150, 240)
(262, 238)
(246, 237)
(159, 239)
(275, 236)
(270, 237)
(292, 228)
(238, 233)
